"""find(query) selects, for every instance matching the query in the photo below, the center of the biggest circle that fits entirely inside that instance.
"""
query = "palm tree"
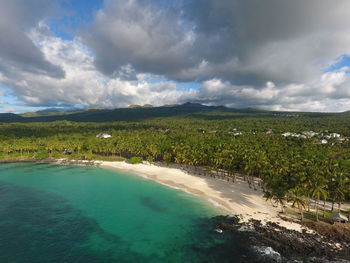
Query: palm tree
(298, 200)
(319, 191)
(339, 187)
(278, 197)
(269, 197)
(309, 172)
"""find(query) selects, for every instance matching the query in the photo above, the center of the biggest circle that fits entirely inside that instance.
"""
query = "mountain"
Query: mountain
(104, 115)
(46, 112)
(134, 106)
(56, 111)
(194, 110)
(10, 117)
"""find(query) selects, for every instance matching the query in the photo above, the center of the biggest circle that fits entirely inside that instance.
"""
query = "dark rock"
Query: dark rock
(322, 246)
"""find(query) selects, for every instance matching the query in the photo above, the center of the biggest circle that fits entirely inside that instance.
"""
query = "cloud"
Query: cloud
(82, 83)
(270, 54)
(245, 42)
(139, 34)
(10, 110)
(329, 92)
(17, 50)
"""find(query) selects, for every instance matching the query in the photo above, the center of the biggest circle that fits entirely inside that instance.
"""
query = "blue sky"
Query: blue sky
(343, 61)
(10, 103)
(162, 52)
(74, 14)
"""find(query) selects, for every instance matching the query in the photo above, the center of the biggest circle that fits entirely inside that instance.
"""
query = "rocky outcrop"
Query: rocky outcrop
(321, 246)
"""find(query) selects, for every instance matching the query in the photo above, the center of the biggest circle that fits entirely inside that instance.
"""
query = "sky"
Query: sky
(272, 54)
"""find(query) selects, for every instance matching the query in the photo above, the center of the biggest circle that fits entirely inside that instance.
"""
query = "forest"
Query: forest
(292, 157)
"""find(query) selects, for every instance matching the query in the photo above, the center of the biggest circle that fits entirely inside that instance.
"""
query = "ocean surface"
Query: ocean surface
(52, 213)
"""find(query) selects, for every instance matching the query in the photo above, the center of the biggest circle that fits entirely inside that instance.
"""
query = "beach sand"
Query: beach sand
(236, 198)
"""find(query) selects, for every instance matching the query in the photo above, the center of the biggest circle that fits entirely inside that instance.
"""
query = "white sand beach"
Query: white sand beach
(235, 198)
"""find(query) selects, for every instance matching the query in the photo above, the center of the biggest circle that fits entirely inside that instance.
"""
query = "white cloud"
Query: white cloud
(247, 42)
(82, 83)
(269, 54)
(140, 34)
(329, 92)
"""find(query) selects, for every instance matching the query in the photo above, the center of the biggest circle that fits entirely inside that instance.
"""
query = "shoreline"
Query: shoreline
(235, 198)
(248, 211)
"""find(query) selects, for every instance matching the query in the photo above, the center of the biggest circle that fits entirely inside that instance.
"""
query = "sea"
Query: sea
(65, 213)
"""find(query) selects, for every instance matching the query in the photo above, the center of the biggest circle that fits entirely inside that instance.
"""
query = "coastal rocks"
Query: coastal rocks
(276, 240)
(337, 232)
(246, 228)
(306, 245)
(267, 253)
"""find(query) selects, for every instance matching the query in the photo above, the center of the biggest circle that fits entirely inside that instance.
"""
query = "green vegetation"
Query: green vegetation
(41, 155)
(135, 160)
(218, 141)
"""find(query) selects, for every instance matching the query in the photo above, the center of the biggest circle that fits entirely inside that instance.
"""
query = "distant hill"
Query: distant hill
(136, 113)
(10, 117)
(57, 112)
(46, 112)
(134, 106)
(51, 112)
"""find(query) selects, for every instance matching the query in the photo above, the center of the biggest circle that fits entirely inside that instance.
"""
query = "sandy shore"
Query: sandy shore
(236, 198)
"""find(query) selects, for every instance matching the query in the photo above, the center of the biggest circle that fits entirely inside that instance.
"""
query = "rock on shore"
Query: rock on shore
(292, 245)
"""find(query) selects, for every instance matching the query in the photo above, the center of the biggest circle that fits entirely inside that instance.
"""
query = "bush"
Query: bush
(135, 160)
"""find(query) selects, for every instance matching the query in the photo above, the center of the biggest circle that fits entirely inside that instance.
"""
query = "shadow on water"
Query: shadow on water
(152, 204)
(39, 227)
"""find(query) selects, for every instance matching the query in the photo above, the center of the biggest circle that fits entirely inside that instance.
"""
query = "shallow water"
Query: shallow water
(51, 213)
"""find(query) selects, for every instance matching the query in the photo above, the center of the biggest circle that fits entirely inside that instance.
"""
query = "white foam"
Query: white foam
(216, 204)
(268, 252)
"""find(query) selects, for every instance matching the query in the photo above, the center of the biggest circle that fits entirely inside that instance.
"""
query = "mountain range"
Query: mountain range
(136, 113)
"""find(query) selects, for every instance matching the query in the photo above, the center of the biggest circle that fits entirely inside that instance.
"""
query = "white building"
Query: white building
(103, 135)
(335, 135)
(323, 141)
(310, 134)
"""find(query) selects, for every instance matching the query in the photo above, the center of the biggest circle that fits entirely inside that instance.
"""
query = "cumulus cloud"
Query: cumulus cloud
(82, 83)
(329, 92)
(17, 50)
(270, 54)
(140, 34)
(245, 42)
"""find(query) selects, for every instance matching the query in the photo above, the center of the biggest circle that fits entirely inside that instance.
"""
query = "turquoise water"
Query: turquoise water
(51, 213)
